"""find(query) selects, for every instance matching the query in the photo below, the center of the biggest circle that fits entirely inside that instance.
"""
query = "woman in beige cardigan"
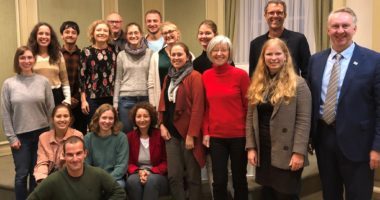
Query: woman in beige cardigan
(278, 123)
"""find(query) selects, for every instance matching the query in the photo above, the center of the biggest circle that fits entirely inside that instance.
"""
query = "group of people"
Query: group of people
(151, 115)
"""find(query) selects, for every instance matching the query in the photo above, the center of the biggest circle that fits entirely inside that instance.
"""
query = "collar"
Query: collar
(347, 53)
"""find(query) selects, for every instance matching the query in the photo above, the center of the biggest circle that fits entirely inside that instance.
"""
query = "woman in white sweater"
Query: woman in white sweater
(131, 83)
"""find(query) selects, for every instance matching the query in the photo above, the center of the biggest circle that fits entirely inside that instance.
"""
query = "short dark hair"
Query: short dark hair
(133, 24)
(152, 113)
(275, 2)
(73, 140)
(69, 24)
(154, 11)
(19, 51)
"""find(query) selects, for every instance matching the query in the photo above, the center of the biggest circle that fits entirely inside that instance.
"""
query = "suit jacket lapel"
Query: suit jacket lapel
(353, 65)
(320, 69)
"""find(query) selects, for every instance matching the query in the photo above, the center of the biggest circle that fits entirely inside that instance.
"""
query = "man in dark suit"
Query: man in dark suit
(345, 86)
(275, 14)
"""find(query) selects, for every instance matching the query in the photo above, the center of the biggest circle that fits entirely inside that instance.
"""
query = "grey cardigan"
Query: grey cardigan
(289, 128)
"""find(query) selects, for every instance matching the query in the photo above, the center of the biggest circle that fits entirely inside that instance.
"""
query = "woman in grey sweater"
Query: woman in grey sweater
(26, 102)
(131, 74)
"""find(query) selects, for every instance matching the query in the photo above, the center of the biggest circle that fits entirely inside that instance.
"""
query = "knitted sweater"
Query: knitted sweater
(55, 73)
(131, 75)
(94, 184)
(26, 105)
(109, 153)
(226, 105)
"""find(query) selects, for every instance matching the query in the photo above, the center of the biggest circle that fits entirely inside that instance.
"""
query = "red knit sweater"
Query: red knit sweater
(226, 105)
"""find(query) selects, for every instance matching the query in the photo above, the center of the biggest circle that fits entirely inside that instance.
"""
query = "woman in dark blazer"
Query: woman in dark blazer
(147, 165)
(278, 123)
(181, 111)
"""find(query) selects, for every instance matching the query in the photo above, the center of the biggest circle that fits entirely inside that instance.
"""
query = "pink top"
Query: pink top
(50, 152)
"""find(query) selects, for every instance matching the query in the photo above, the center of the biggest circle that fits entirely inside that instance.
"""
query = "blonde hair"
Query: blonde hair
(283, 85)
(92, 27)
(171, 25)
(94, 124)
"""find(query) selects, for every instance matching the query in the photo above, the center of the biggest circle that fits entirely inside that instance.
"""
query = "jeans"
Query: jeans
(156, 186)
(25, 159)
(221, 149)
(126, 103)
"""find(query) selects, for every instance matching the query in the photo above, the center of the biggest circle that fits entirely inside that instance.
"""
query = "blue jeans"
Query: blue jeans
(25, 159)
(126, 103)
(157, 185)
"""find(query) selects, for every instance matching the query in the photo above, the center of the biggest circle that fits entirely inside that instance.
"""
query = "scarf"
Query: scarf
(140, 51)
(176, 77)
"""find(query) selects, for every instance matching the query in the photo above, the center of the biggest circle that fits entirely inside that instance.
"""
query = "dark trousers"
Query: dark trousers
(182, 165)
(220, 150)
(80, 122)
(58, 95)
(25, 159)
(268, 193)
(95, 103)
(336, 171)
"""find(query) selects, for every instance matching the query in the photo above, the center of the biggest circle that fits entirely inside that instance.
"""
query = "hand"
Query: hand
(296, 162)
(206, 141)
(143, 174)
(252, 157)
(85, 108)
(189, 143)
(165, 133)
(74, 102)
(16, 145)
(374, 161)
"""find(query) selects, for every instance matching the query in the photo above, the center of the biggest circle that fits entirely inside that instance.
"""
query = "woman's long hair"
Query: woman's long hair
(53, 48)
(274, 90)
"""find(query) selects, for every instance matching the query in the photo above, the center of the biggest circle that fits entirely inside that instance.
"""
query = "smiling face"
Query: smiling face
(133, 35)
(274, 58)
(43, 36)
(106, 121)
(74, 158)
(170, 34)
(341, 29)
(153, 23)
(69, 36)
(275, 16)
(178, 56)
(115, 21)
(142, 119)
(101, 33)
(61, 119)
(205, 34)
(220, 54)
(26, 62)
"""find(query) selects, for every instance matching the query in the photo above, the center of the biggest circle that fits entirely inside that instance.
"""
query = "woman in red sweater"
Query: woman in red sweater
(147, 156)
(224, 121)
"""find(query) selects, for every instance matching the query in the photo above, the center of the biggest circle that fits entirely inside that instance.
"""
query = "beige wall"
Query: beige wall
(187, 15)
(368, 31)
(8, 40)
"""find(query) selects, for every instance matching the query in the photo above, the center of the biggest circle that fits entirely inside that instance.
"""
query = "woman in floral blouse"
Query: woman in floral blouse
(97, 73)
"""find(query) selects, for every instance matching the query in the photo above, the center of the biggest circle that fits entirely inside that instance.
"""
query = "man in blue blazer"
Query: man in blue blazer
(347, 137)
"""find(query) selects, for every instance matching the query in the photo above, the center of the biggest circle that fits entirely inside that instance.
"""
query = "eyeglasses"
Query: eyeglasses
(278, 13)
(168, 32)
(114, 21)
(219, 50)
